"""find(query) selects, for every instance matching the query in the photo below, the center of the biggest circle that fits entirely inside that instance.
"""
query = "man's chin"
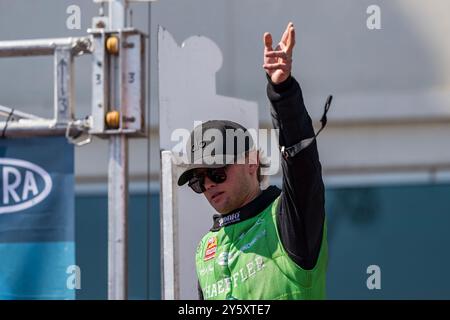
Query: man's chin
(220, 208)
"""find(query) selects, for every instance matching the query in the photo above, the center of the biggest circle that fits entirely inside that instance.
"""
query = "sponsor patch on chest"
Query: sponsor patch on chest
(211, 248)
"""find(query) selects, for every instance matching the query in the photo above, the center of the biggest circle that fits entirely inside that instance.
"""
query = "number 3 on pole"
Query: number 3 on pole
(63, 87)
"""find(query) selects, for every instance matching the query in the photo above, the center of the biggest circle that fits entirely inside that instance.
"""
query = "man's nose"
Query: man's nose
(208, 183)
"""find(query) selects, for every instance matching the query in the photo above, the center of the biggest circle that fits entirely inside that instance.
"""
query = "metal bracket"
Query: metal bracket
(118, 80)
(125, 72)
(81, 138)
(63, 50)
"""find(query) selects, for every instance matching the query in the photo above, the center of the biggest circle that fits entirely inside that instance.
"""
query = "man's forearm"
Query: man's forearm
(302, 214)
(288, 111)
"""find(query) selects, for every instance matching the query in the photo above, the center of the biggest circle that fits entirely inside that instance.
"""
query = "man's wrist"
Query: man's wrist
(282, 86)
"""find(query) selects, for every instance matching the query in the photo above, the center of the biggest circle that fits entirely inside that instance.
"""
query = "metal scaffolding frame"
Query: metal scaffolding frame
(118, 110)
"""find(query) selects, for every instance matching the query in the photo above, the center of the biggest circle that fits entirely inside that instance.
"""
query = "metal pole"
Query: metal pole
(117, 217)
(117, 181)
(169, 225)
(117, 14)
(34, 127)
(42, 47)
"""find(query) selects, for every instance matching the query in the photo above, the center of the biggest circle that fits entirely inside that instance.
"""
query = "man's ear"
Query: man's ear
(253, 161)
(254, 164)
(253, 167)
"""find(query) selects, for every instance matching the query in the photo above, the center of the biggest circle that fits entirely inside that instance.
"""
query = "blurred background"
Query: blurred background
(385, 154)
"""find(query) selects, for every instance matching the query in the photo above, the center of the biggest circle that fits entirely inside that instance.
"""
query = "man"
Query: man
(267, 244)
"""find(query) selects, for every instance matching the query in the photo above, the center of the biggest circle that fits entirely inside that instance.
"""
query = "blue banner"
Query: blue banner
(37, 249)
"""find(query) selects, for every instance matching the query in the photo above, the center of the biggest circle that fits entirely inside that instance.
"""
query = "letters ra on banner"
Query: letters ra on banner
(32, 171)
(36, 176)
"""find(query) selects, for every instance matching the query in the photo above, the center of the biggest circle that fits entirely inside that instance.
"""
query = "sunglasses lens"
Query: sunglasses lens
(217, 175)
(197, 185)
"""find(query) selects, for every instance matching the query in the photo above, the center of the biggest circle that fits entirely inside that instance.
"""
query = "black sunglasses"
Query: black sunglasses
(216, 175)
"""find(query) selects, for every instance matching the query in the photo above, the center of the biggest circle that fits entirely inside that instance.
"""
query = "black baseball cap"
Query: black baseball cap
(214, 144)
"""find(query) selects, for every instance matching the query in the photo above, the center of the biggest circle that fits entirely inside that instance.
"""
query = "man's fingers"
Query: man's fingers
(275, 66)
(279, 59)
(277, 54)
(268, 41)
(286, 33)
(290, 41)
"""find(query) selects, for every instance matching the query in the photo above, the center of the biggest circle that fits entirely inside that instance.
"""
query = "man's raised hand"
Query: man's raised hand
(278, 62)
